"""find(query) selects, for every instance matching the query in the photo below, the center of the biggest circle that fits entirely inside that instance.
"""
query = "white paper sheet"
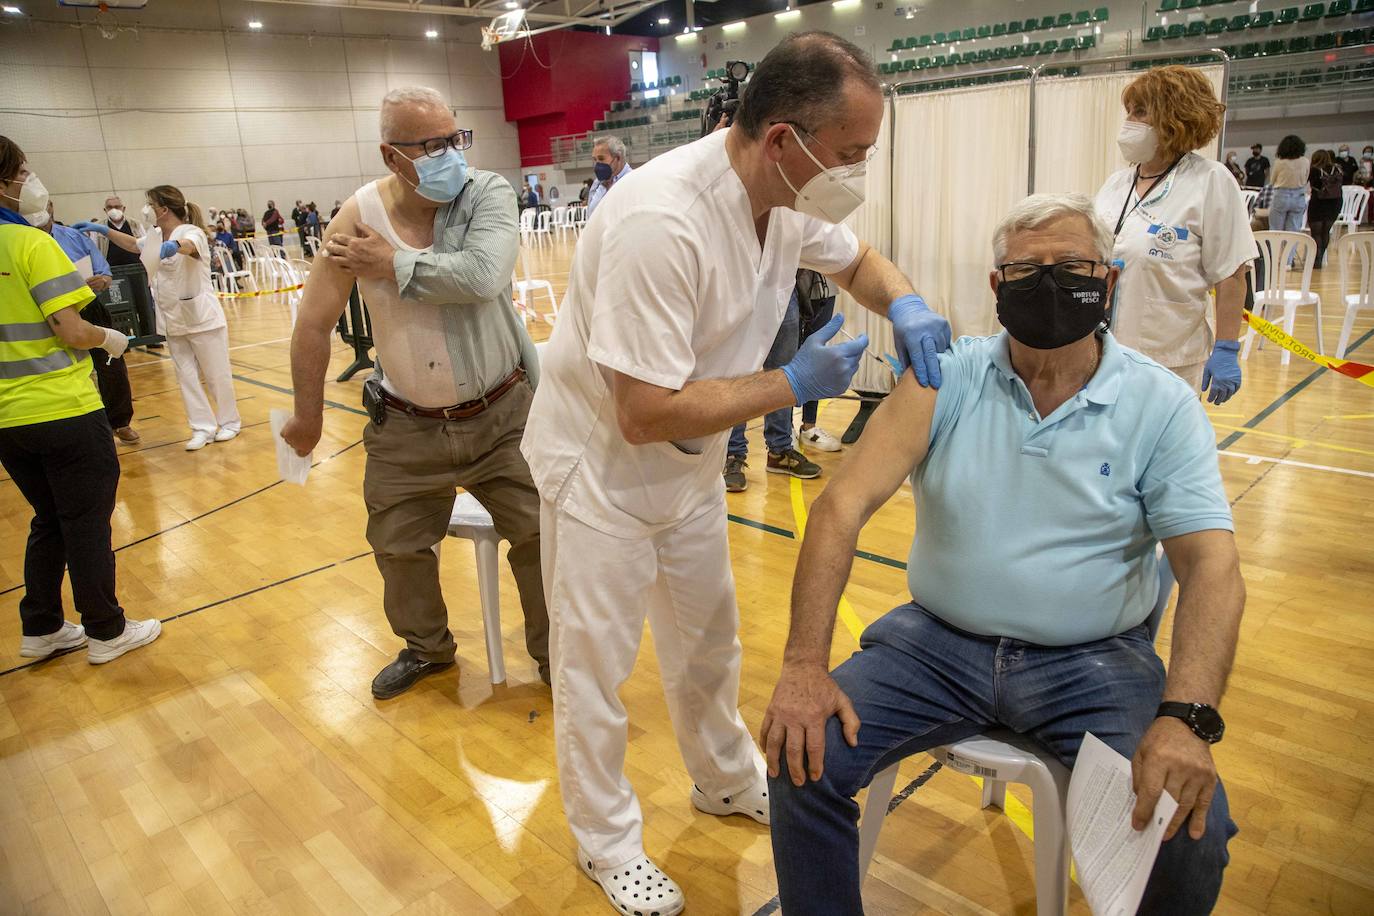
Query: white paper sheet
(83, 267)
(1113, 858)
(293, 468)
(148, 253)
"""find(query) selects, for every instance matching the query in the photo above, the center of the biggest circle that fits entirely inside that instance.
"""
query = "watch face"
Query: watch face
(1206, 721)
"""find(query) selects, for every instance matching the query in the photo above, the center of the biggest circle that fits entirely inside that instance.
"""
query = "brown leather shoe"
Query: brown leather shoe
(127, 434)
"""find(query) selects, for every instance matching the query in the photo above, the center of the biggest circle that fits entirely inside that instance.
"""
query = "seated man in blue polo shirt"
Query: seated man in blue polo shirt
(1045, 470)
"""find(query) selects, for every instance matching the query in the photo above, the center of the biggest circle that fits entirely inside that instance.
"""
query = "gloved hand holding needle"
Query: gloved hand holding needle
(819, 371)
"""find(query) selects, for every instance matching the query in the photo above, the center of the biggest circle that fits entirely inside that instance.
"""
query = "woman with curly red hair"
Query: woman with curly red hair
(1181, 231)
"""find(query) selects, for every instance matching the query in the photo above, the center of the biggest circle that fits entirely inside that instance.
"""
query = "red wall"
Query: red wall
(562, 83)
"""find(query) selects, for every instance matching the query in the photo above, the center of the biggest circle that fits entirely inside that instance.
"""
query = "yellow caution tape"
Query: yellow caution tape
(1360, 372)
(260, 292)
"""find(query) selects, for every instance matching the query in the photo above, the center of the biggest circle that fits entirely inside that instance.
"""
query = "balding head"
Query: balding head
(415, 113)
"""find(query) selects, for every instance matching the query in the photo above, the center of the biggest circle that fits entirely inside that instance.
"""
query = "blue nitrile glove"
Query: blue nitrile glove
(84, 226)
(818, 371)
(168, 249)
(1222, 372)
(921, 336)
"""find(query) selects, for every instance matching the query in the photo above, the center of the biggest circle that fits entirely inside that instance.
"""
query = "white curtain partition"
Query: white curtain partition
(1076, 122)
(872, 223)
(961, 163)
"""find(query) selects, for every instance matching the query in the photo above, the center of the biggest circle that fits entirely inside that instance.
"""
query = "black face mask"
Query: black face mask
(1047, 316)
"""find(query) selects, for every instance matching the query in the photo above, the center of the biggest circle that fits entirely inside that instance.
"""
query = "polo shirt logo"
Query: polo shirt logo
(1105, 470)
(1166, 236)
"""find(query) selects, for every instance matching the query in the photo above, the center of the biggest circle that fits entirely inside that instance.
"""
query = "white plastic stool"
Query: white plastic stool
(469, 520)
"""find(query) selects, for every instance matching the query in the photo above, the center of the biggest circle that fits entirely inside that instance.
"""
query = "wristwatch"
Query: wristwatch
(1205, 721)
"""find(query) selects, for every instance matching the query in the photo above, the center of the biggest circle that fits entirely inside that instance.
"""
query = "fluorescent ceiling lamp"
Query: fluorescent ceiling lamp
(686, 36)
(511, 4)
(846, 4)
(664, 21)
(12, 10)
(787, 14)
(254, 24)
(431, 33)
(732, 26)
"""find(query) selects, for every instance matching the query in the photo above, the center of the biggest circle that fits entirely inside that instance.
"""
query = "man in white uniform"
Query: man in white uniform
(676, 293)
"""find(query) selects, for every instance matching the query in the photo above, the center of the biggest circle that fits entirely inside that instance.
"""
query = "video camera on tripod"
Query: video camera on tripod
(725, 102)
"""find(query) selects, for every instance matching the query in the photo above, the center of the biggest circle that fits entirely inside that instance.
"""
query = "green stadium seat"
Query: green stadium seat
(1280, 80)
(1030, 49)
(908, 65)
(1100, 14)
(1049, 47)
(1197, 29)
(940, 60)
(1287, 16)
(1356, 37)
(1217, 26)
(984, 31)
(983, 54)
(1176, 31)
(1364, 6)
(999, 54)
(1083, 17)
(1065, 19)
(1363, 72)
(970, 57)
(1335, 75)
(999, 29)
(1047, 22)
(923, 42)
(1312, 12)
(1085, 42)
(1299, 45)
(1248, 50)
(1275, 47)
(939, 38)
(1013, 52)
(909, 44)
(1168, 6)
(970, 34)
(1325, 41)
(1014, 27)
(1190, 4)
(923, 63)
(1154, 33)
(1338, 8)
(1243, 21)
(884, 68)
(1310, 76)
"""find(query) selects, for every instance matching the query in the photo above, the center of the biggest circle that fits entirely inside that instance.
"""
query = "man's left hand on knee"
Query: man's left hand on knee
(1171, 758)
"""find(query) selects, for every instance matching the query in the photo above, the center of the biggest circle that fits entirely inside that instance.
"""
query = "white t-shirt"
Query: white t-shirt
(668, 285)
(1189, 235)
(185, 298)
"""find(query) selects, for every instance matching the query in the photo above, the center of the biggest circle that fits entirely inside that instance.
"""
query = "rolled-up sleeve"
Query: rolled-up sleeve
(480, 268)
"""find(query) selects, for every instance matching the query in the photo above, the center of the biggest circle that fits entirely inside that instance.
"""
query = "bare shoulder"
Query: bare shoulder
(346, 220)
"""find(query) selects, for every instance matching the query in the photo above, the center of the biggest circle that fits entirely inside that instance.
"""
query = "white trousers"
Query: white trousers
(599, 589)
(205, 353)
(1191, 373)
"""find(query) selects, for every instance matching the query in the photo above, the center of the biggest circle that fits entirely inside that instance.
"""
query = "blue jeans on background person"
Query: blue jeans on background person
(1287, 209)
(777, 424)
(919, 683)
(825, 309)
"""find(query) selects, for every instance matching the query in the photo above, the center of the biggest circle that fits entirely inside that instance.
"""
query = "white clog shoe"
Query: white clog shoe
(636, 888)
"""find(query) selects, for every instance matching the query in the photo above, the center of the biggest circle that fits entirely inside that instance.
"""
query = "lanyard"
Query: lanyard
(1121, 220)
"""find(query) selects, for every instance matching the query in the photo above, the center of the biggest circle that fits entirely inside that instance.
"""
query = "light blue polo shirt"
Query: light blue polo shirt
(1044, 530)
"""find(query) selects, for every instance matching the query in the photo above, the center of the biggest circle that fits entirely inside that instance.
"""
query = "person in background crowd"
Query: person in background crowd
(188, 313)
(534, 196)
(1256, 168)
(553, 195)
(111, 374)
(1234, 168)
(585, 191)
(224, 236)
(522, 201)
(298, 217)
(247, 228)
(312, 220)
(1324, 205)
(1289, 178)
(1348, 164)
(54, 436)
(1181, 231)
(1364, 173)
(611, 166)
(272, 223)
(335, 212)
(116, 218)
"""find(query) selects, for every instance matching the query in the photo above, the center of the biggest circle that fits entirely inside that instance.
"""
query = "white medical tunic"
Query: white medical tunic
(182, 289)
(1191, 233)
(668, 285)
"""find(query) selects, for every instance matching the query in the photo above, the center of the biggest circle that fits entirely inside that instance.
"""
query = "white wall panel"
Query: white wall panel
(156, 130)
(179, 167)
(486, 123)
(291, 53)
(301, 160)
(366, 89)
(160, 89)
(494, 154)
(469, 92)
(274, 89)
(392, 56)
(73, 172)
(370, 160)
(153, 50)
(69, 208)
(36, 132)
(42, 45)
(258, 127)
(44, 88)
(367, 128)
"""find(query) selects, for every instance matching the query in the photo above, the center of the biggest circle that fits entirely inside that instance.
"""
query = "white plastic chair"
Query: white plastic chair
(472, 522)
(1354, 200)
(999, 757)
(561, 222)
(312, 244)
(544, 227)
(1250, 195)
(229, 275)
(1279, 292)
(1355, 252)
(523, 285)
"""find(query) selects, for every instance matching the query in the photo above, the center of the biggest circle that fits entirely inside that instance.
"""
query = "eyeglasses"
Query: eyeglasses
(866, 157)
(1067, 274)
(435, 147)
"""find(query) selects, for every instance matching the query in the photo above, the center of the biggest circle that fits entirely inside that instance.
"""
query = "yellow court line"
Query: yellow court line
(851, 620)
(1296, 440)
(1349, 416)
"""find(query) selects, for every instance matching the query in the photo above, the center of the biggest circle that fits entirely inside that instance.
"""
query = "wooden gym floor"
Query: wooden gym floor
(240, 764)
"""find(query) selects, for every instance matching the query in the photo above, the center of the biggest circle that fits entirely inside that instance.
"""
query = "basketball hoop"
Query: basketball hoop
(490, 37)
(507, 25)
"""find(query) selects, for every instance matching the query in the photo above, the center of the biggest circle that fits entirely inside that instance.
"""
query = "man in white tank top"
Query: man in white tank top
(431, 248)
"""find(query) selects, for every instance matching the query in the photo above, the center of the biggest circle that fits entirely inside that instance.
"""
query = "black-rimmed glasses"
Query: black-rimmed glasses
(1067, 274)
(435, 147)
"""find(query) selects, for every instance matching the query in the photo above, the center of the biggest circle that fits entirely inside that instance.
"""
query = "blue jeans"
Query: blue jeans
(919, 683)
(825, 309)
(777, 424)
(1287, 209)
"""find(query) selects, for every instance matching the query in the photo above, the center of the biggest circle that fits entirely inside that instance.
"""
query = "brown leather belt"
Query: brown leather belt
(463, 411)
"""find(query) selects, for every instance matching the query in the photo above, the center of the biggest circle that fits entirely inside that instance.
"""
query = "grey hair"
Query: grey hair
(1039, 209)
(614, 144)
(406, 95)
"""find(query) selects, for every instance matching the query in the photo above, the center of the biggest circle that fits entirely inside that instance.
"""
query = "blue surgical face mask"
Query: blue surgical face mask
(441, 177)
(602, 170)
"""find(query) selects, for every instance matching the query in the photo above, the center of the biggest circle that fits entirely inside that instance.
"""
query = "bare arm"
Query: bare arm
(894, 442)
(648, 413)
(1231, 303)
(74, 331)
(873, 280)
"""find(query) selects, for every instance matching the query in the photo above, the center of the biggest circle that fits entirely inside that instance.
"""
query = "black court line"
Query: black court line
(783, 532)
(206, 607)
(1287, 396)
(773, 905)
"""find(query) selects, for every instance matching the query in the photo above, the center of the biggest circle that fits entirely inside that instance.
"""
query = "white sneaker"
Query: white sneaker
(637, 888)
(751, 802)
(70, 636)
(224, 435)
(136, 633)
(817, 438)
(198, 441)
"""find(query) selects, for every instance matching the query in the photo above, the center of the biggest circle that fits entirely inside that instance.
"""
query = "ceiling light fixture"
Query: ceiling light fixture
(733, 26)
(664, 21)
(254, 24)
(787, 14)
(12, 10)
(846, 4)
(431, 33)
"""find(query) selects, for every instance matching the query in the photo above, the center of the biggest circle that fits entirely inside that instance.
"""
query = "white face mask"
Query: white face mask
(37, 220)
(1137, 141)
(148, 215)
(832, 194)
(115, 214)
(33, 199)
